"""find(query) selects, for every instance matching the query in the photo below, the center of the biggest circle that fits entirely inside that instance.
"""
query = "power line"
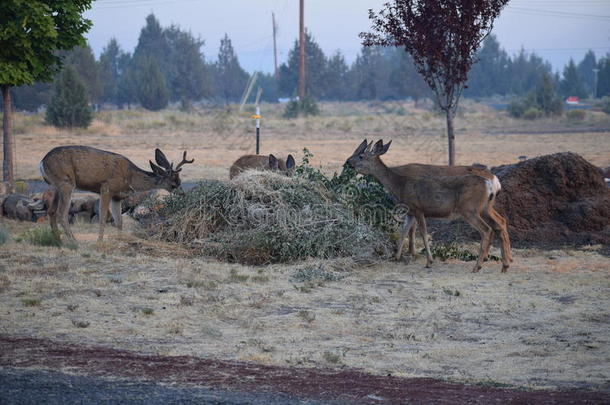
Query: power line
(553, 13)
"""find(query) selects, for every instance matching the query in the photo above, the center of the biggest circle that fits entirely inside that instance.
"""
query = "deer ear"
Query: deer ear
(361, 148)
(161, 159)
(385, 148)
(274, 164)
(378, 147)
(289, 162)
(156, 169)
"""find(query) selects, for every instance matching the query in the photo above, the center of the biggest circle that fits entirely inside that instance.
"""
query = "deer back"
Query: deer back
(258, 162)
(88, 168)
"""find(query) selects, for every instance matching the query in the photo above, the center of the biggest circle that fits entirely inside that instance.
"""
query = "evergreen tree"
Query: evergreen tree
(269, 84)
(69, 105)
(230, 77)
(545, 96)
(603, 77)
(189, 79)
(405, 81)
(127, 88)
(489, 75)
(524, 71)
(336, 78)
(83, 61)
(369, 74)
(316, 81)
(151, 88)
(31, 98)
(586, 73)
(153, 43)
(111, 71)
(570, 84)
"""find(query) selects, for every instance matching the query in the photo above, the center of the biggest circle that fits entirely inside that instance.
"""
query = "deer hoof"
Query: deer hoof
(476, 269)
(504, 268)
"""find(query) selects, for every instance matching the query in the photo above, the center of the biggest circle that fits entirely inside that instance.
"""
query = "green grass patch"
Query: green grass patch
(41, 237)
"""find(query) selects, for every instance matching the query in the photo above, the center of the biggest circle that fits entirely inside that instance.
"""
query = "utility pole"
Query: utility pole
(274, 44)
(302, 51)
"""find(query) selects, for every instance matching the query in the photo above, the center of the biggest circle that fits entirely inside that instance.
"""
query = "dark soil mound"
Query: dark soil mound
(558, 199)
(550, 201)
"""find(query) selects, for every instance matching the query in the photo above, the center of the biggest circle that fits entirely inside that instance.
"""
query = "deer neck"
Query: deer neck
(142, 180)
(392, 181)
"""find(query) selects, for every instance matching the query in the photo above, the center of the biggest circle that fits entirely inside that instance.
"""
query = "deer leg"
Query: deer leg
(64, 196)
(52, 211)
(104, 202)
(498, 223)
(484, 229)
(405, 229)
(115, 211)
(423, 230)
(412, 239)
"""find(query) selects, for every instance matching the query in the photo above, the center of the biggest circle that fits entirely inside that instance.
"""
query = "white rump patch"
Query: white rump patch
(490, 187)
(42, 171)
(496, 185)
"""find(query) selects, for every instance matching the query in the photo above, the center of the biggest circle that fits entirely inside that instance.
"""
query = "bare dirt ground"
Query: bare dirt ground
(545, 324)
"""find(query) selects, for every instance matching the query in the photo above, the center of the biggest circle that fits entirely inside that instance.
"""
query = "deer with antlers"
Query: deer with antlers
(438, 192)
(109, 174)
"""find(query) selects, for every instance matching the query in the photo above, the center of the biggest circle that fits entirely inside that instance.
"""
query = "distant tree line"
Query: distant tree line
(168, 66)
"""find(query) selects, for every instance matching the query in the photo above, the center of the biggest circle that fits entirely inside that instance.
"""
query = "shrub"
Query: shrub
(576, 115)
(543, 99)
(41, 237)
(307, 106)
(69, 105)
(532, 113)
(604, 104)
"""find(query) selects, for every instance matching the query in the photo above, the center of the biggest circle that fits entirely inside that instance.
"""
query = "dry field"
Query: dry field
(544, 324)
(216, 138)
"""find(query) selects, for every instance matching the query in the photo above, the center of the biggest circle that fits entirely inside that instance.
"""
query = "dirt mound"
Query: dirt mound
(558, 199)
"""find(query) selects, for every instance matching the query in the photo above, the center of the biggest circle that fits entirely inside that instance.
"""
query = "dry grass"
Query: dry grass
(217, 138)
(543, 324)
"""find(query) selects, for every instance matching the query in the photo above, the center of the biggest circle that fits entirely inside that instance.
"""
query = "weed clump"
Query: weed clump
(4, 236)
(41, 237)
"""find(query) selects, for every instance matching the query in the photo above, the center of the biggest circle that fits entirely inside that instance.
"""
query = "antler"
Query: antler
(184, 161)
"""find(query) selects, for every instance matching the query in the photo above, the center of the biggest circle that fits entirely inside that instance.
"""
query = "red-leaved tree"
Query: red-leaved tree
(442, 36)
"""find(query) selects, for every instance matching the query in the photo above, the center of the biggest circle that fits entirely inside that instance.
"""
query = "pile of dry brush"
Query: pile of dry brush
(264, 217)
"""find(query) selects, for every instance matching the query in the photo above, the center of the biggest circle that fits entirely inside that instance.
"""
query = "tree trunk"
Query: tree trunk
(7, 131)
(450, 137)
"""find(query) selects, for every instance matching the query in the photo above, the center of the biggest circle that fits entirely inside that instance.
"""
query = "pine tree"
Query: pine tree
(230, 77)
(83, 61)
(570, 84)
(603, 77)
(316, 81)
(69, 105)
(189, 78)
(586, 72)
(489, 75)
(151, 88)
(336, 78)
(110, 71)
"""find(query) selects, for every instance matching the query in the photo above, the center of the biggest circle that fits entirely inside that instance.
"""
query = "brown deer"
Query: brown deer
(470, 196)
(109, 174)
(423, 170)
(261, 162)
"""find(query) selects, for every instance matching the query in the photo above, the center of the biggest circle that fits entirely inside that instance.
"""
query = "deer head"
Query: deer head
(168, 176)
(275, 164)
(363, 160)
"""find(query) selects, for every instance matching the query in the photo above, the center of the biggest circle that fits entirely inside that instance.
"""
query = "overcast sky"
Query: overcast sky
(554, 29)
